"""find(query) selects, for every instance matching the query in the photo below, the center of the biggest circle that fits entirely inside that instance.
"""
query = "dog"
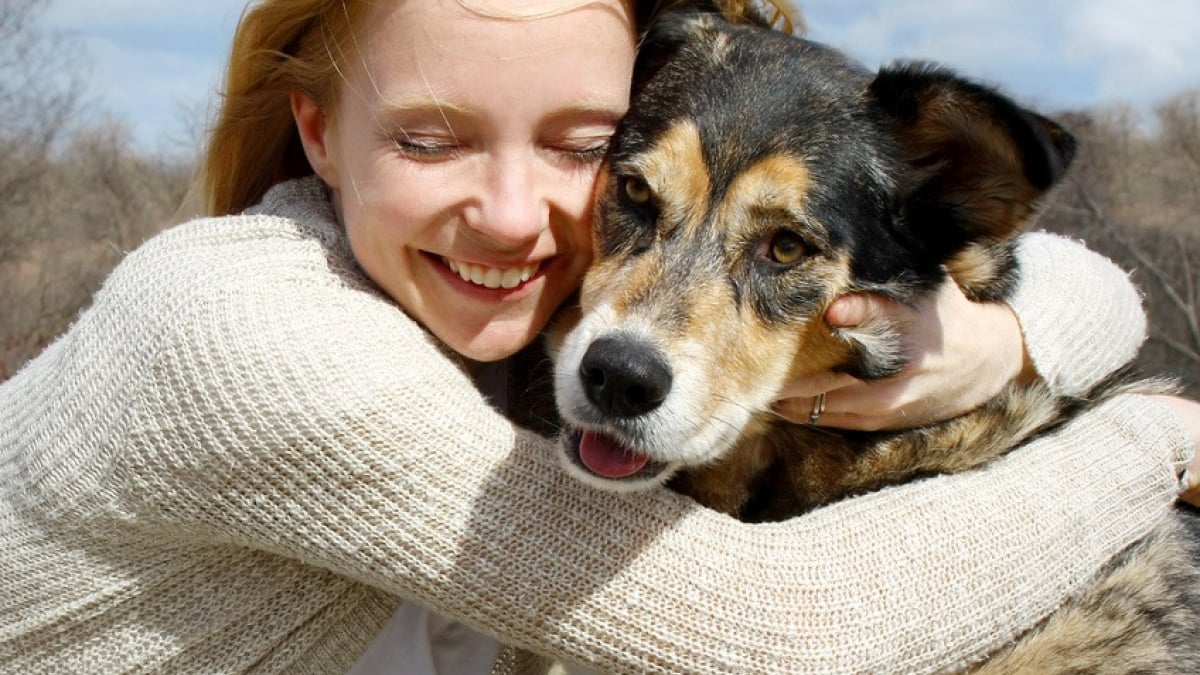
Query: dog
(759, 176)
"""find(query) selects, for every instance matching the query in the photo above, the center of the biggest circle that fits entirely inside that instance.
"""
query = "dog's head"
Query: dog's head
(756, 178)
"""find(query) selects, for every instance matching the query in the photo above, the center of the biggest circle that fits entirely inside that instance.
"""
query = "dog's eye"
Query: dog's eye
(787, 248)
(636, 190)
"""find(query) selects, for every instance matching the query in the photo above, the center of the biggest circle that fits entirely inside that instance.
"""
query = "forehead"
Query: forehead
(447, 48)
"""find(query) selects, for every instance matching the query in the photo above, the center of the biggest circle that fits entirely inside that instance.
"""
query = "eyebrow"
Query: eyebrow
(599, 110)
(394, 107)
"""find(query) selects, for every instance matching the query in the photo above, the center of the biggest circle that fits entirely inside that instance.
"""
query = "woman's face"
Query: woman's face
(462, 152)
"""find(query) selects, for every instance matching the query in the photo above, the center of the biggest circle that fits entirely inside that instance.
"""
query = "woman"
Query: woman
(262, 447)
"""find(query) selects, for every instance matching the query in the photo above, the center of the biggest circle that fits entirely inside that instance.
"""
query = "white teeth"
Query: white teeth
(512, 277)
(492, 277)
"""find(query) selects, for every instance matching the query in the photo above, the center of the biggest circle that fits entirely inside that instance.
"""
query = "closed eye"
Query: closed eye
(426, 148)
(582, 151)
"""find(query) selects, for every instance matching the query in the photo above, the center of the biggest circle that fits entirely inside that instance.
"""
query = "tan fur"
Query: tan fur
(777, 183)
(698, 289)
(677, 174)
(974, 268)
(741, 346)
(1107, 630)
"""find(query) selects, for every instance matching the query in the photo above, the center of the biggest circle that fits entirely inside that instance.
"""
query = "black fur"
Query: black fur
(904, 177)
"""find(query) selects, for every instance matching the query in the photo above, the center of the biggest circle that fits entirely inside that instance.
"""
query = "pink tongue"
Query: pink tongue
(608, 458)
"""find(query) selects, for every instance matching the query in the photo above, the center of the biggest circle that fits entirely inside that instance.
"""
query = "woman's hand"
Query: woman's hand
(1188, 412)
(960, 354)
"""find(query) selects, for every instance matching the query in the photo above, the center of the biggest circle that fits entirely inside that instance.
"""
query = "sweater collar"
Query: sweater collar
(305, 199)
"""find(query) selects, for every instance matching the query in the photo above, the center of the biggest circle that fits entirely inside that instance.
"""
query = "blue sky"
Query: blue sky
(153, 61)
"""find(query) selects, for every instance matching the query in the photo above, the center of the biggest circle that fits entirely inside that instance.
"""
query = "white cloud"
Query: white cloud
(149, 57)
(1141, 51)
(1066, 53)
(169, 15)
(148, 61)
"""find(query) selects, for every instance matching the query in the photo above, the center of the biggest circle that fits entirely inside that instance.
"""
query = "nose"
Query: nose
(512, 210)
(624, 377)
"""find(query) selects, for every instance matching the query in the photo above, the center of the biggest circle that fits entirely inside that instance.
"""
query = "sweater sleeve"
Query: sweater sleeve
(1080, 313)
(321, 424)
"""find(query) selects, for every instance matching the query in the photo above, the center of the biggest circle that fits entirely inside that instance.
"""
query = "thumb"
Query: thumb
(849, 311)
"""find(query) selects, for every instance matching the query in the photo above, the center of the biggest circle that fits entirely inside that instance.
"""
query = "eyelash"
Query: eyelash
(589, 155)
(424, 151)
(407, 148)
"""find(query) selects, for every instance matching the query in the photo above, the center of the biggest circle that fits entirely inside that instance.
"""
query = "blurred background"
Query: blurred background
(104, 106)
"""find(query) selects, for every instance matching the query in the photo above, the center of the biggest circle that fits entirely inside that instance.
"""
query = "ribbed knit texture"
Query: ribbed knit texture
(241, 455)
(1084, 302)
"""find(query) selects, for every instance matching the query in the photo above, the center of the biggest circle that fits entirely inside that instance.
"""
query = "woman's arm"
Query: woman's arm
(1081, 315)
(319, 423)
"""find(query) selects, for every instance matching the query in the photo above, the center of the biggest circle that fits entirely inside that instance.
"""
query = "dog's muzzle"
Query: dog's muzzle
(623, 378)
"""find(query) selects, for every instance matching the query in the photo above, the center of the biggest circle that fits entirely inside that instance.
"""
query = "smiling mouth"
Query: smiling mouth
(492, 277)
(605, 457)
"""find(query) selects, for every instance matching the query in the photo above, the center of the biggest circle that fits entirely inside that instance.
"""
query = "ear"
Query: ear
(312, 128)
(982, 164)
(666, 36)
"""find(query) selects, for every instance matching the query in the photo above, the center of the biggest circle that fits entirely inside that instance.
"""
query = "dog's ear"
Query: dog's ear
(981, 163)
(665, 36)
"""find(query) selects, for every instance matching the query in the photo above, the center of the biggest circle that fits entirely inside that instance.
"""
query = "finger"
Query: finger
(841, 414)
(850, 422)
(875, 406)
(1189, 482)
(849, 311)
(846, 394)
(798, 410)
(811, 385)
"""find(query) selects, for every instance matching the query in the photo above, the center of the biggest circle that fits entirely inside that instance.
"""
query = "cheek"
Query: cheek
(574, 204)
(382, 230)
(753, 362)
(380, 224)
(387, 204)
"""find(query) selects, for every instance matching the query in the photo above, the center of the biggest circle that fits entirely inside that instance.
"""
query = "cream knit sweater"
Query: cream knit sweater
(242, 454)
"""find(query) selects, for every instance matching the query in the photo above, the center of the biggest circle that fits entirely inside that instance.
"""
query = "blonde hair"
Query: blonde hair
(285, 45)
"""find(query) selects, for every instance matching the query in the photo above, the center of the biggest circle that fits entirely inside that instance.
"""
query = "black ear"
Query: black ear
(981, 163)
(665, 36)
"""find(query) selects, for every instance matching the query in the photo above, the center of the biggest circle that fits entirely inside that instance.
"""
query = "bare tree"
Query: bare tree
(1134, 195)
(1179, 121)
(73, 198)
(40, 87)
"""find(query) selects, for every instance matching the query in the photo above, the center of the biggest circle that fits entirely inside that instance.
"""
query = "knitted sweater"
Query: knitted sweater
(243, 454)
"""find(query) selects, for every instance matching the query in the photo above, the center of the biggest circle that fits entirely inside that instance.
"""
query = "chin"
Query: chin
(490, 344)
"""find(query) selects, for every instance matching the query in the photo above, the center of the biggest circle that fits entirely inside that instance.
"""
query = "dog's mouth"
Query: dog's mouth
(607, 458)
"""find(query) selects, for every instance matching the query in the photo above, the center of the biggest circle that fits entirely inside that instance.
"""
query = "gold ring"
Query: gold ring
(818, 409)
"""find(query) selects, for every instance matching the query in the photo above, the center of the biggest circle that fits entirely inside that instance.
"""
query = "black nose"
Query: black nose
(624, 377)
